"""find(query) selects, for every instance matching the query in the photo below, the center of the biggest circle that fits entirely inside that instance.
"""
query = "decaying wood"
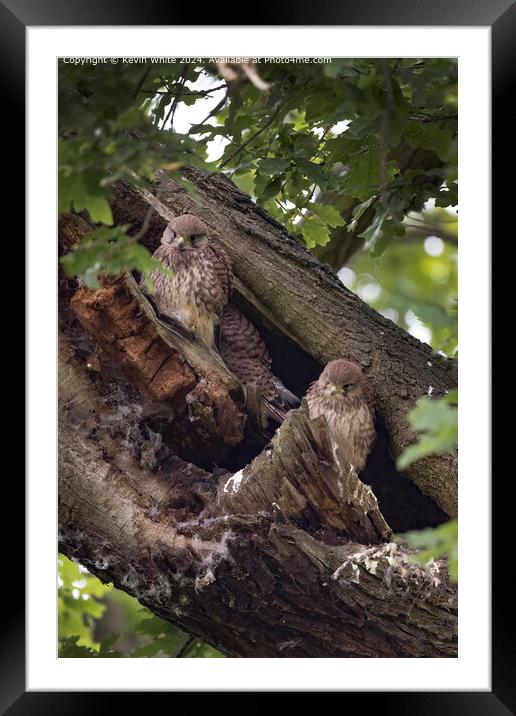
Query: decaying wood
(305, 301)
(200, 397)
(319, 489)
(194, 405)
(262, 564)
(121, 329)
(288, 554)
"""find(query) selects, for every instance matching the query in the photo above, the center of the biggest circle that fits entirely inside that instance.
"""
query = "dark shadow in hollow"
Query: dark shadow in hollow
(401, 502)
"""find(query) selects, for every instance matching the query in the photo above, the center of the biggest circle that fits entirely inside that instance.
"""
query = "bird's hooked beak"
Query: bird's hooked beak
(180, 241)
(335, 390)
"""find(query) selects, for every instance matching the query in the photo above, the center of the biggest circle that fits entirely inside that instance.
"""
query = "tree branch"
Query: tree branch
(287, 288)
(250, 576)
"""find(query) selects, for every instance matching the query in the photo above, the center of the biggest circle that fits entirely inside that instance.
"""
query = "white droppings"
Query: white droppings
(201, 582)
(430, 390)
(233, 484)
(289, 644)
(102, 563)
(429, 363)
(371, 565)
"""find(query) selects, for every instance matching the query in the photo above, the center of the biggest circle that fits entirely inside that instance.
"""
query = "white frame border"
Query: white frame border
(471, 670)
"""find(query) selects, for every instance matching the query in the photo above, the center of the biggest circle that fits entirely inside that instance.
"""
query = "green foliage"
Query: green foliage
(379, 134)
(436, 423)
(109, 129)
(108, 251)
(85, 603)
(168, 640)
(70, 648)
(435, 543)
(296, 136)
(412, 287)
(380, 131)
(164, 637)
(79, 602)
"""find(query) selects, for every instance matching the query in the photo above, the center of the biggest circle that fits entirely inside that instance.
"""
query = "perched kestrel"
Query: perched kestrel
(197, 292)
(344, 396)
(246, 355)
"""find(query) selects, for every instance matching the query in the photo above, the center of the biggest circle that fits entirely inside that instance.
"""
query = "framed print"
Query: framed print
(245, 440)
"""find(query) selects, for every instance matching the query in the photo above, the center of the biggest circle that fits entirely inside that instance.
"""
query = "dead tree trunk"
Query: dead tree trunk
(287, 554)
(289, 557)
(283, 286)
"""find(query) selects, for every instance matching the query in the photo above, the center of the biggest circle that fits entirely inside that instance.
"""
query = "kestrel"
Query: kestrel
(246, 355)
(199, 287)
(345, 397)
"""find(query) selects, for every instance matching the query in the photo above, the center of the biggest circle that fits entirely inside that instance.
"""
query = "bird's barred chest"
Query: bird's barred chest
(190, 295)
(352, 427)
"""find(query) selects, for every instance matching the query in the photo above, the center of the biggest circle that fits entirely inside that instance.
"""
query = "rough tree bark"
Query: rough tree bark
(284, 555)
(289, 557)
(283, 285)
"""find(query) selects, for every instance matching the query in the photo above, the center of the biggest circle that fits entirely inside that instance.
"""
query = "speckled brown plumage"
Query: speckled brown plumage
(199, 288)
(246, 355)
(345, 397)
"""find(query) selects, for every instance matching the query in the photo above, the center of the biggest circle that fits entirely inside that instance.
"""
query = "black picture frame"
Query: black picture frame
(500, 15)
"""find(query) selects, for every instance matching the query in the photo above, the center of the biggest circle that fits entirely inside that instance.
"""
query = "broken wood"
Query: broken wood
(198, 406)
(270, 572)
(288, 288)
(288, 554)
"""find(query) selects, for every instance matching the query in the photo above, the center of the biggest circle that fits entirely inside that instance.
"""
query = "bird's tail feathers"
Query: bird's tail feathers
(283, 401)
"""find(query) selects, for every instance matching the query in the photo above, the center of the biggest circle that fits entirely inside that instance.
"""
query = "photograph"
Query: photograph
(257, 284)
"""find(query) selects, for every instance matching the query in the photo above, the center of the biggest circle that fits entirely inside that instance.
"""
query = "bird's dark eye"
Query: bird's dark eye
(347, 386)
(173, 234)
(196, 238)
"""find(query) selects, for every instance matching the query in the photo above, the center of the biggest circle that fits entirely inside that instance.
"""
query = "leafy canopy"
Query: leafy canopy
(381, 133)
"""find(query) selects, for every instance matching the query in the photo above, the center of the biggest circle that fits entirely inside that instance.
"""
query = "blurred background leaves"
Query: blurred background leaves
(98, 620)
(434, 543)
(356, 157)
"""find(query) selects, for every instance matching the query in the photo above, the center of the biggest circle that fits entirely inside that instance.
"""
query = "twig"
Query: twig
(213, 112)
(431, 231)
(199, 93)
(140, 83)
(181, 652)
(148, 215)
(262, 129)
(172, 110)
(389, 107)
(314, 187)
(253, 137)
